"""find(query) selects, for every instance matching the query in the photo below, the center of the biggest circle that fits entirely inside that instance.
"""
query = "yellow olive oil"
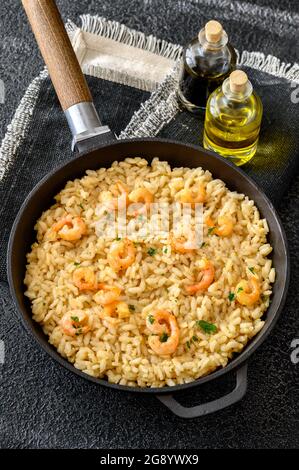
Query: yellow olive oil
(233, 119)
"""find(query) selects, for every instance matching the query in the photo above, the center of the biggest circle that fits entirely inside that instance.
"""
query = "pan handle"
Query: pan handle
(64, 69)
(212, 406)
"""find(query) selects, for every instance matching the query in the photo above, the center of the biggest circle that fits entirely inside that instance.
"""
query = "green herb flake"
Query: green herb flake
(132, 308)
(231, 296)
(206, 326)
(77, 264)
(165, 250)
(164, 337)
(118, 239)
(251, 270)
(152, 251)
(211, 230)
(81, 205)
(151, 319)
(192, 340)
(203, 244)
(240, 290)
(75, 319)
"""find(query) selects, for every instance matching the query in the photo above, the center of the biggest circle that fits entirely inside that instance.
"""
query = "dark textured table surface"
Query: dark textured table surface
(42, 405)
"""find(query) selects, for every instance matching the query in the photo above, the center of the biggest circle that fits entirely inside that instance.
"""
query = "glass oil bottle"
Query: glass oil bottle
(207, 60)
(233, 119)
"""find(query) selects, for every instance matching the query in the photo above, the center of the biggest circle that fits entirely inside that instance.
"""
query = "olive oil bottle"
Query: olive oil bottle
(233, 119)
(207, 60)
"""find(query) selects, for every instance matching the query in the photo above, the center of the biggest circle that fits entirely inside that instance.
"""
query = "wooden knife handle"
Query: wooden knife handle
(57, 51)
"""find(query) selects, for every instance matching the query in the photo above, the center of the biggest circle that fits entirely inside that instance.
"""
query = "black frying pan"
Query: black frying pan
(97, 148)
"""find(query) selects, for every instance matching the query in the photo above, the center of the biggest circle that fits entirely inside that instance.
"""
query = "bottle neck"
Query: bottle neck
(212, 46)
(236, 96)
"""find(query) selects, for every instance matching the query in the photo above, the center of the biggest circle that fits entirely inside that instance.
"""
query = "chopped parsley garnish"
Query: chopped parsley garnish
(211, 230)
(206, 326)
(231, 296)
(240, 290)
(203, 244)
(77, 264)
(118, 239)
(152, 251)
(251, 270)
(151, 319)
(192, 340)
(164, 337)
(81, 205)
(165, 250)
(75, 319)
(132, 308)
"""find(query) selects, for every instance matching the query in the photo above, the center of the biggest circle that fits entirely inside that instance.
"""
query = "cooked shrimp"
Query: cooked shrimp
(75, 323)
(120, 192)
(70, 228)
(116, 198)
(193, 195)
(225, 226)
(158, 322)
(106, 294)
(143, 196)
(206, 277)
(119, 188)
(121, 254)
(119, 309)
(165, 338)
(248, 292)
(85, 279)
(183, 244)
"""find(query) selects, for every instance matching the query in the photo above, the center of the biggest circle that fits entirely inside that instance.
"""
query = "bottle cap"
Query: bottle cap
(213, 31)
(238, 81)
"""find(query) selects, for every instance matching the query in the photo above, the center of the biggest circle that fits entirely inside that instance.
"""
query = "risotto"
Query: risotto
(161, 310)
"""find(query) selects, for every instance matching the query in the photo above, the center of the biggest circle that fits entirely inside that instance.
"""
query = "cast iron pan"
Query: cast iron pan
(98, 152)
